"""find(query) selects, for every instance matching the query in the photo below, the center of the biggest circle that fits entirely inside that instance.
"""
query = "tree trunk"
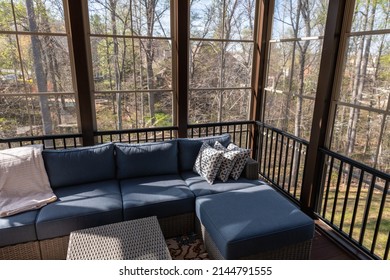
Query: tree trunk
(358, 85)
(150, 15)
(117, 71)
(39, 70)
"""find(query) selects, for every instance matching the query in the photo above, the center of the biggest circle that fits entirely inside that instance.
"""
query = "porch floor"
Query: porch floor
(325, 249)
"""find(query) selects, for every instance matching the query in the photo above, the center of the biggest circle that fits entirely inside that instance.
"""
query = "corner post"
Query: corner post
(311, 188)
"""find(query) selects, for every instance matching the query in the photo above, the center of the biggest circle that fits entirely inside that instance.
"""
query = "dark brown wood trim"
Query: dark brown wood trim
(264, 16)
(313, 171)
(181, 41)
(85, 98)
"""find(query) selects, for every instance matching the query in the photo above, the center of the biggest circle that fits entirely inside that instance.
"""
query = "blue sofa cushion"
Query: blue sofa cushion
(252, 220)
(189, 148)
(79, 207)
(147, 159)
(199, 186)
(161, 196)
(18, 228)
(80, 165)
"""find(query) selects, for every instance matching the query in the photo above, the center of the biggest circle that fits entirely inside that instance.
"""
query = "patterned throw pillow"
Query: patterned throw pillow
(228, 161)
(208, 162)
(240, 162)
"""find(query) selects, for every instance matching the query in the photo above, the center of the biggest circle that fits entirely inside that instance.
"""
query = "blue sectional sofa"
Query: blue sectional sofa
(109, 183)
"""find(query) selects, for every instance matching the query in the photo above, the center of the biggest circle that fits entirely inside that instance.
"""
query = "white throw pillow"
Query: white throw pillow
(228, 161)
(240, 163)
(208, 162)
(24, 184)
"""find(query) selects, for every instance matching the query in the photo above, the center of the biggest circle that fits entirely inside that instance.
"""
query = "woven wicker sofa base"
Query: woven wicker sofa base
(299, 251)
(177, 225)
(22, 251)
(57, 248)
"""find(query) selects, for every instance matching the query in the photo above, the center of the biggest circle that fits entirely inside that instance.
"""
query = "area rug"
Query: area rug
(187, 247)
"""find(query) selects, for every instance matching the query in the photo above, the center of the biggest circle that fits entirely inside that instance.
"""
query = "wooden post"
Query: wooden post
(314, 162)
(264, 15)
(85, 98)
(181, 45)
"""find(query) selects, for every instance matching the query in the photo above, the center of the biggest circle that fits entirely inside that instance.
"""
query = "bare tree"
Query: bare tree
(40, 74)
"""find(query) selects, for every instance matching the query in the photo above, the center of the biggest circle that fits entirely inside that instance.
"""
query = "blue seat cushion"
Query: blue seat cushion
(18, 228)
(199, 186)
(252, 220)
(161, 196)
(80, 165)
(189, 149)
(79, 207)
(146, 159)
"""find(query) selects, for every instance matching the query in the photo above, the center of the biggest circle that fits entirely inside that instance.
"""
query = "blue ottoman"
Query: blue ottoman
(254, 223)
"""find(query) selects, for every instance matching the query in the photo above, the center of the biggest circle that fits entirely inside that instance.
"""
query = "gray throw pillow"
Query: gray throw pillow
(228, 160)
(240, 163)
(208, 162)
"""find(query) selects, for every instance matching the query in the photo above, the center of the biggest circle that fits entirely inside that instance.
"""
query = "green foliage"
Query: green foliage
(162, 119)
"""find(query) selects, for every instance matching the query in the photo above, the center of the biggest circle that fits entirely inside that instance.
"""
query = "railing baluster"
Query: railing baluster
(285, 163)
(337, 191)
(356, 206)
(275, 156)
(328, 187)
(247, 137)
(291, 166)
(260, 146)
(234, 134)
(280, 158)
(379, 220)
(298, 166)
(386, 255)
(346, 197)
(265, 151)
(270, 154)
(367, 209)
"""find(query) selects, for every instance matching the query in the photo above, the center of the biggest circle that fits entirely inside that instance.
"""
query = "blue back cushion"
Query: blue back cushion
(189, 149)
(80, 165)
(147, 159)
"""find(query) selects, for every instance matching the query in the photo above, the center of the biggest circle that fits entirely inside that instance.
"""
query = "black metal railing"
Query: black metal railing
(241, 132)
(282, 159)
(355, 202)
(62, 141)
(142, 135)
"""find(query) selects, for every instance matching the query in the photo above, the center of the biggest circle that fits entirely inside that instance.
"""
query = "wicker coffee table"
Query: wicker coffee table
(140, 239)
